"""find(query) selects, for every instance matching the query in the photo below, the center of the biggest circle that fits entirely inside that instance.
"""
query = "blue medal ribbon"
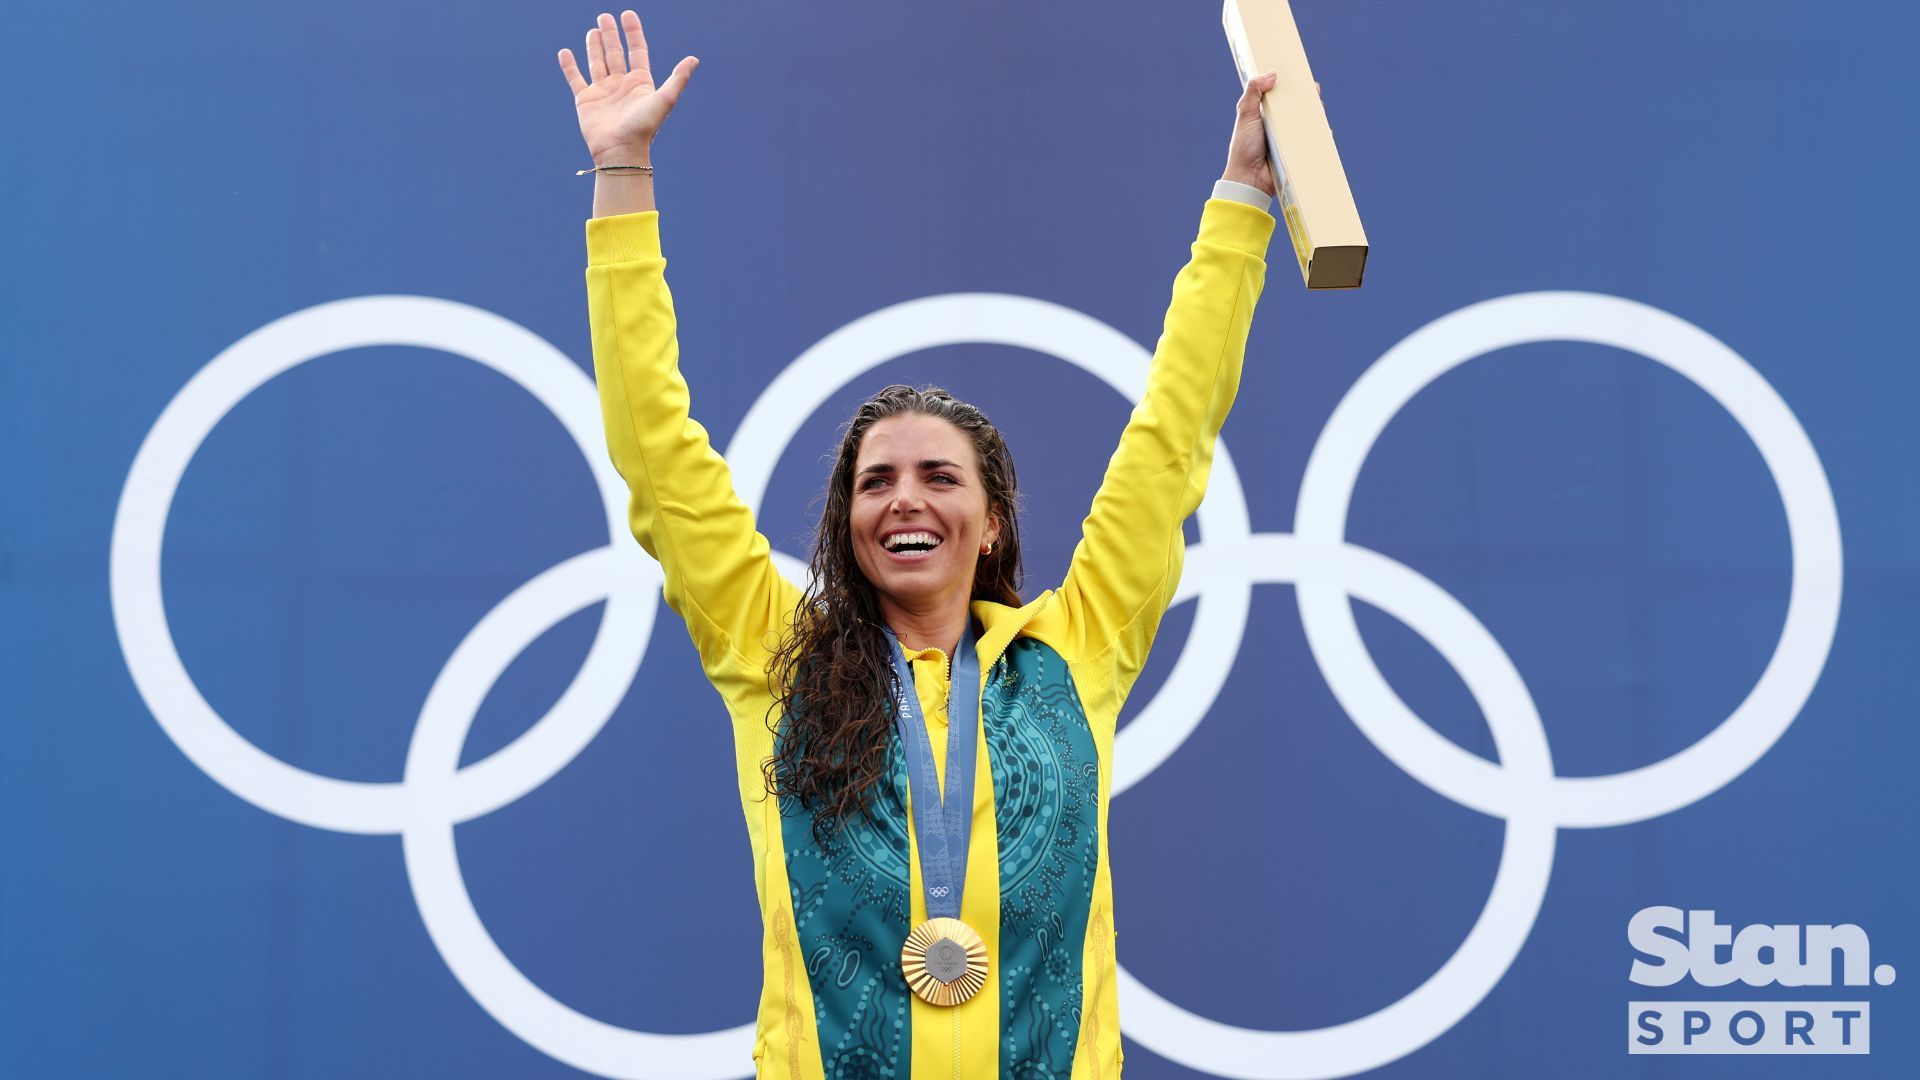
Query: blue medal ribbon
(942, 821)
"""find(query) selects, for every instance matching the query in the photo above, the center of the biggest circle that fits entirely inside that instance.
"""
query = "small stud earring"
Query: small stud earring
(988, 550)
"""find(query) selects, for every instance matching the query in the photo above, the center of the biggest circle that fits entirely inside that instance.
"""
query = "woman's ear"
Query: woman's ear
(992, 535)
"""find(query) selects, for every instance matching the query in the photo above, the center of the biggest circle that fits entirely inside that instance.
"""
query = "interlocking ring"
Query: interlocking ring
(1327, 572)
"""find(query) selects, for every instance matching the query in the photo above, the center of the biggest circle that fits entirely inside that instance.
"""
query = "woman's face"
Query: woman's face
(919, 510)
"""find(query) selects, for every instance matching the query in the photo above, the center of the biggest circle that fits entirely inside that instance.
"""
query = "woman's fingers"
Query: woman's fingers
(596, 57)
(610, 41)
(572, 71)
(1249, 104)
(636, 44)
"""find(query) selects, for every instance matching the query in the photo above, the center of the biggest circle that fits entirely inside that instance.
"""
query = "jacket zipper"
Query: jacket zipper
(997, 657)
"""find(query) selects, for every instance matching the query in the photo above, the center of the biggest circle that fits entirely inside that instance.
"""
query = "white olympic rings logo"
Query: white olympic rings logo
(437, 793)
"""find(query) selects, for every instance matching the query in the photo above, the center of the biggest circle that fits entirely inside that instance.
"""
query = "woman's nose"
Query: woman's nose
(907, 497)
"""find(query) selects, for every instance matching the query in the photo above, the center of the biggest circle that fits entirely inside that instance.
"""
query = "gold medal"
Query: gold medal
(944, 961)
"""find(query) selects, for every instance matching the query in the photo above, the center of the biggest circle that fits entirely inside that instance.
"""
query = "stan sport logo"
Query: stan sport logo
(1674, 945)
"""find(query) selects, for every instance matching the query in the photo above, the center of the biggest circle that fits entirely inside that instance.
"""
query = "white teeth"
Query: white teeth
(900, 540)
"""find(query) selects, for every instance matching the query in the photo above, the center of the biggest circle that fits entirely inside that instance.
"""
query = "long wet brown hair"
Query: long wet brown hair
(832, 672)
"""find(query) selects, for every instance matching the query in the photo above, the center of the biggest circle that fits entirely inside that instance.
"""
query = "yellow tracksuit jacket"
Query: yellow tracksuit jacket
(1054, 674)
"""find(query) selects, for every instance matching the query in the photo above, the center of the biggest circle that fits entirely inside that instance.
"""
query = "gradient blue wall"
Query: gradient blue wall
(180, 176)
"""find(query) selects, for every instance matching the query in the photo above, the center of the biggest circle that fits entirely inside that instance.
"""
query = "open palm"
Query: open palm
(621, 110)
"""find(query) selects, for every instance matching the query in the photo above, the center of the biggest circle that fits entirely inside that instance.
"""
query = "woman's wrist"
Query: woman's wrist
(625, 155)
(613, 197)
(1244, 176)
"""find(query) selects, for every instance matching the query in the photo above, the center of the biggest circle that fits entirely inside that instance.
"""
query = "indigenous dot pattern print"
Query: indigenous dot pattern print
(851, 904)
(850, 908)
(1046, 787)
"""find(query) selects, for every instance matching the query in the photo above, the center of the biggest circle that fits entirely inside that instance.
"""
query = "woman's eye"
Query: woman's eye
(944, 476)
(872, 482)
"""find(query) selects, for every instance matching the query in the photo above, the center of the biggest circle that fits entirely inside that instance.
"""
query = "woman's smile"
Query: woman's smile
(910, 545)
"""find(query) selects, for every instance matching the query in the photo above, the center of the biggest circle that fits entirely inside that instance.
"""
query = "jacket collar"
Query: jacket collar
(1000, 624)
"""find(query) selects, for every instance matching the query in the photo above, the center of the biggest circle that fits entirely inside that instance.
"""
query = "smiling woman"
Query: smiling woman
(913, 920)
(919, 521)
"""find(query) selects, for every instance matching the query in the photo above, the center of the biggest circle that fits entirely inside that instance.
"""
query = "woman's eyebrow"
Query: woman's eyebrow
(929, 463)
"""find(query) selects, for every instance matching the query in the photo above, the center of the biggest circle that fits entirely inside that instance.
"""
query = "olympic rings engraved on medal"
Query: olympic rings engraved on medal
(1327, 573)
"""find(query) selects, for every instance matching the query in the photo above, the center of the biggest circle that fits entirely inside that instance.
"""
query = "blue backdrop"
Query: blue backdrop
(1672, 486)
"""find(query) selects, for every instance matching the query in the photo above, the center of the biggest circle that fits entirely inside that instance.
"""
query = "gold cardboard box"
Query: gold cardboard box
(1315, 201)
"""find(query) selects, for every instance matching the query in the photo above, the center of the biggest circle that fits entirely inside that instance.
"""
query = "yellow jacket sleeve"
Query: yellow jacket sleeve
(1127, 564)
(720, 575)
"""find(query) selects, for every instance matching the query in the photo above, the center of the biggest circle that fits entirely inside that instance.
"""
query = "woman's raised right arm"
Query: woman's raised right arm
(720, 575)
